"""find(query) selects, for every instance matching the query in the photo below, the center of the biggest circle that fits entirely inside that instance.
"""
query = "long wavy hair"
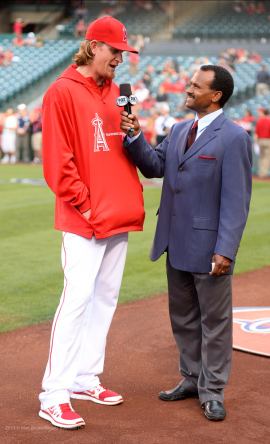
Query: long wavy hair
(84, 56)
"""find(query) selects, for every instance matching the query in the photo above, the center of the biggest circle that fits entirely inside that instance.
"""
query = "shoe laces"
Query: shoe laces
(59, 409)
(98, 389)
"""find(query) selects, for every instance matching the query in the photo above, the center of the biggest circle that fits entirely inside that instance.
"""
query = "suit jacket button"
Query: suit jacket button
(177, 191)
(181, 168)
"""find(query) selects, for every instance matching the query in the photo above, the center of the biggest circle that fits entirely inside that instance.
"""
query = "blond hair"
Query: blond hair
(84, 56)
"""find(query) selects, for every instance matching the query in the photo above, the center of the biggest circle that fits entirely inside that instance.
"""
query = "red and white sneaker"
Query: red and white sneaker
(100, 395)
(63, 416)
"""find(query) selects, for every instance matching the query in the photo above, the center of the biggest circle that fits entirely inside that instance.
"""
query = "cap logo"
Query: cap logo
(124, 34)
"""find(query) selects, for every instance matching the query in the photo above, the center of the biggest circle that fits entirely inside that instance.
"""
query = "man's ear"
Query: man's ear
(93, 46)
(217, 96)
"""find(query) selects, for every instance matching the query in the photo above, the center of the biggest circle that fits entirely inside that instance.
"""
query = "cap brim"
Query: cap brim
(122, 47)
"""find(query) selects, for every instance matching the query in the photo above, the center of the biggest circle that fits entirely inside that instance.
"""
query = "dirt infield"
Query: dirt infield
(141, 360)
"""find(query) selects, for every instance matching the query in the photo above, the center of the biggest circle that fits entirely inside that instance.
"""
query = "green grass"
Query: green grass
(254, 250)
(30, 270)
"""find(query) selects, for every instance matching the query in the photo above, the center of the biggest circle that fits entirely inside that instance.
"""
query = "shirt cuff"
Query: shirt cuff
(132, 139)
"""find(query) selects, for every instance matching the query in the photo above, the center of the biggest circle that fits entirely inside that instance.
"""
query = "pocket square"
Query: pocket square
(207, 157)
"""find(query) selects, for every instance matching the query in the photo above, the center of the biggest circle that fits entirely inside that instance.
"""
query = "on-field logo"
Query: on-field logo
(251, 329)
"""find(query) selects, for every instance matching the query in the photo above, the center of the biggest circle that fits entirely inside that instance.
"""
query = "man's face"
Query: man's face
(200, 96)
(106, 61)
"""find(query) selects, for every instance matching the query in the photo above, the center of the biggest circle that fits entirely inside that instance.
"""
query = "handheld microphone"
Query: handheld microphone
(127, 100)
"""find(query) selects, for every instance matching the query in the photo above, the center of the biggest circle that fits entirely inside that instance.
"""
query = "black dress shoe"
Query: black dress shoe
(177, 393)
(214, 410)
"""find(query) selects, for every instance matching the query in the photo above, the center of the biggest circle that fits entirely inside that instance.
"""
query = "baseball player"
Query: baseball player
(98, 201)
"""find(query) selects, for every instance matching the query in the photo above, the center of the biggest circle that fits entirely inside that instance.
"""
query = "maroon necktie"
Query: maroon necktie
(192, 135)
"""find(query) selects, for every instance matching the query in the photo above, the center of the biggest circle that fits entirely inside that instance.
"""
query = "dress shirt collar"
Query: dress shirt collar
(206, 120)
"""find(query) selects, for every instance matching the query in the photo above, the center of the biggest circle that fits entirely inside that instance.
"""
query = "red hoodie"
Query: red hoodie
(84, 161)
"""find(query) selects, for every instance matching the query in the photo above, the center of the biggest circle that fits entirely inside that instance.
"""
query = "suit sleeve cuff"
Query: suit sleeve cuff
(132, 139)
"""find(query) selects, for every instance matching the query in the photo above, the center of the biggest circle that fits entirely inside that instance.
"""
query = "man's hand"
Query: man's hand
(129, 121)
(222, 265)
(87, 214)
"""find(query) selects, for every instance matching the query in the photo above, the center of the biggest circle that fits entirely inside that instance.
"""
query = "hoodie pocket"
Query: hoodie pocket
(84, 218)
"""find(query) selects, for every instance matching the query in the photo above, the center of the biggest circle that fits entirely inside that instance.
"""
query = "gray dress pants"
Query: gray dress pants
(200, 308)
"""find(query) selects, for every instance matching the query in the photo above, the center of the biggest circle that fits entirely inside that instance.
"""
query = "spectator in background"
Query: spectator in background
(261, 8)
(36, 137)
(148, 104)
(175, 65)
(80, 11)
(148, 76)
(18, 28)
(163, 122)
(231, 57)
(30, 39)
(250, 8)
(148, 128)
(198, 63)
(39, 41)
(262, 81)
(2, 56)
(138, 41)
(162, 96)
(169, 67)
(22, 139)
(80, 28)
(18, 41)
(9, 137)
(9, 56)
(223, 61)
(254, 57)
(262, 134)
(237, 7)
(248, 122)
(134, 60)
(141, 92)
(147, 5)
(6, 56)
(174, 84)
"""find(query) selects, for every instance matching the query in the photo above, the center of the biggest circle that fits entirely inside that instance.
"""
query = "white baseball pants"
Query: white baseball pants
(93, 272)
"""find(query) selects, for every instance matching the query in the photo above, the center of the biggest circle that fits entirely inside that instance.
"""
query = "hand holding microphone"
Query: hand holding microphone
(129, 122)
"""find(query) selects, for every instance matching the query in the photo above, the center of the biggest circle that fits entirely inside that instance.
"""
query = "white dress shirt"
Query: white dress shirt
(205, 121)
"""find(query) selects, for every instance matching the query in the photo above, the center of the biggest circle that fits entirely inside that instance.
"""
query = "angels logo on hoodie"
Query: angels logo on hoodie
(100, 140)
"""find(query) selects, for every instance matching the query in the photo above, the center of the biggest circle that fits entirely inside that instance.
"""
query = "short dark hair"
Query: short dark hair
(223, 81)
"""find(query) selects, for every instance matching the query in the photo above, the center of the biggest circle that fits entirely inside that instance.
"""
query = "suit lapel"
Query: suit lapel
(208, 134)
(204, 138)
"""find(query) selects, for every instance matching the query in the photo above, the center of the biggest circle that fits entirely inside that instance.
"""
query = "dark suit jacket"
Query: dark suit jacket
(206, 192)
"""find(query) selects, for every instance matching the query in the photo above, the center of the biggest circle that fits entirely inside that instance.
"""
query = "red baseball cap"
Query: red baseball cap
(109, 30)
